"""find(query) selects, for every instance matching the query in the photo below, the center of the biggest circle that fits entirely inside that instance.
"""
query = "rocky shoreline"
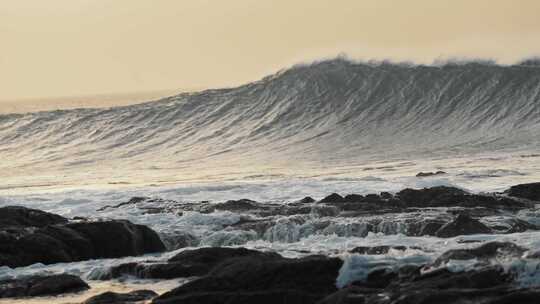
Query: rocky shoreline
(239, 275)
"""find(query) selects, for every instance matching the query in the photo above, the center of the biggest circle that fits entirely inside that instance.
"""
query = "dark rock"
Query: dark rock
(443, 196)
(255, 280)
(272, 296)
(386, 195)
(487, 286)
(306, 200)
(212, 256)
(426, 174)
(132, 201)
(462, 225)
(41, 286)
(238, 205)
(16, 216)
(70, 242)
(353, 198)
(372, 198)
(429, 228)
(528, 191)
(428, 196)
(332, 198)
(379, 278)
(187, 263)
(495, 295)
(376, 250)
(517, 225)
(121, 298)
(482, 253)
(350, 295)
(114, 239)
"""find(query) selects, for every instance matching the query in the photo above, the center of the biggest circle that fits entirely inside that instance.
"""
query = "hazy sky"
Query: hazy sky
(78, 47)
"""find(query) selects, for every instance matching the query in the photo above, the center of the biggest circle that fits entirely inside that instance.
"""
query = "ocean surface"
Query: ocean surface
(311, 130)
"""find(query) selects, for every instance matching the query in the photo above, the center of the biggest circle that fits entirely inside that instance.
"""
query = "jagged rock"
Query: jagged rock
(489, 285)
(495, 295)
(121, 298)
(518, 225)
(528, 191)
(332, 198)
(21, 246)
(306, 200)
(443, 196)
(353, 198)
(187, 263)
(350, 295)
(238, 205)
(17, 216)
(482, 253)
(132, 201)
(376, 250)
(426, 174)
(255, 280)
(41, 286)
(429, 196)
(386, 195)
(462, 225)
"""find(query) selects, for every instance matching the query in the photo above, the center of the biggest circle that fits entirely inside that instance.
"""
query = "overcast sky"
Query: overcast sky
(79, 47)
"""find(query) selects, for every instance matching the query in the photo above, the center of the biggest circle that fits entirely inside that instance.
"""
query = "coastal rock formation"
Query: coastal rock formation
(56, 240)
(528, 191)
(187, 263)
(41, 286)
(254, 279)
(133, 297)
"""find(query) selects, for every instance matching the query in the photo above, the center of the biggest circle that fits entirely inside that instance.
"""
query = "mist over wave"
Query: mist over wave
(330, 111)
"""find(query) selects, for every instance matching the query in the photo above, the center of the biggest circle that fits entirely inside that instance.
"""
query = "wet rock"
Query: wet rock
(429, 228)
(495, 295)
(68, 242)
(462, 225)
(429, 196)
(321, 210)
(528, 191)
(487, 285)
(185, 264)
(376, 250)
(149, 270)
(272, 296)
(132, 201)
(256, 280)
(238, 205)
(379, 278)
(17, 216)
(122, 298)
(41, 286)
(332, 198)
(443, 196)
(386, 195)
(306, 200)
(484, 252)
(426, 174)
(353, 198)
(518, 225)
(350, 295)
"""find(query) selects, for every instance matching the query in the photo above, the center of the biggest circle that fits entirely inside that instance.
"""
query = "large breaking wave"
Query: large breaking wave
(330, 111)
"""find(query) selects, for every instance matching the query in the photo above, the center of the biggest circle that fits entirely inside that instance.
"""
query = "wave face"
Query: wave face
(332, 111)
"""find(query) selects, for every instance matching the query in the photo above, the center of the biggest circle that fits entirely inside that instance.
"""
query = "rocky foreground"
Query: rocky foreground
(241, 275)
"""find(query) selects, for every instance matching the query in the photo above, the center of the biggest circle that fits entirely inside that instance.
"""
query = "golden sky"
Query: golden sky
(86, 47)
